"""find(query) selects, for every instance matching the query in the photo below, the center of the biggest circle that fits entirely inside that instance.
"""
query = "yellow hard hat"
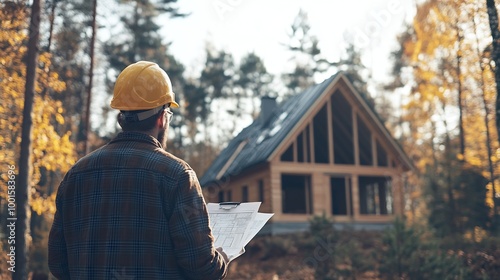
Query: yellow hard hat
(142, 86)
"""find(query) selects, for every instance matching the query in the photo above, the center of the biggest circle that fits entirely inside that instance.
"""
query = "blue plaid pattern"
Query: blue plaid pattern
(131, 210)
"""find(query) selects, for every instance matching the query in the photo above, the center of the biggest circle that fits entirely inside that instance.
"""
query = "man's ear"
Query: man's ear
(160, 121)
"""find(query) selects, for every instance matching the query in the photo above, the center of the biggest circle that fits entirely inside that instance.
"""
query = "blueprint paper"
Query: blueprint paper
(234, 226)
(256, 225)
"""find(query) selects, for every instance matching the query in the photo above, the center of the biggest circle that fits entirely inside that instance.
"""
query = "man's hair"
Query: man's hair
(128, 121)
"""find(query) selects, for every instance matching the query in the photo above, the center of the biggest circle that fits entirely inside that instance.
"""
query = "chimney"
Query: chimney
(267, 106)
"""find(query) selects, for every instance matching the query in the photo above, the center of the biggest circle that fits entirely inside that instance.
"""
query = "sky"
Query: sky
(243, 26)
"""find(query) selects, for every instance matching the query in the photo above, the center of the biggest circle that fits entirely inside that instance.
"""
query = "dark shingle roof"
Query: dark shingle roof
(259, 140)
(256, 143)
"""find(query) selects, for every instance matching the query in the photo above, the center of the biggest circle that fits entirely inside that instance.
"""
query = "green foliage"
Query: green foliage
(253, 80)
(357, 73)
(274, 246)
(325, 251)
(139, 38)
(339, 254)
(354, 255)
(471, 201)
(305, 50)
(371, 255)
(467, 210)
(66, 44)
(407, 255)
(321, 226)
(399, 256)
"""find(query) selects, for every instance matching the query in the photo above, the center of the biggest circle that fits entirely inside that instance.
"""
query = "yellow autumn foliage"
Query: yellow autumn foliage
(51, 151)
(431, 108)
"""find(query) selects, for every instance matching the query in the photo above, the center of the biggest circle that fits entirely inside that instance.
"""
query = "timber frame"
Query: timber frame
(324, 151)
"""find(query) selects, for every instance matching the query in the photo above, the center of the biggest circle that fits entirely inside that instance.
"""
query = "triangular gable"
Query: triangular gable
(385, 135)
(338, 116)
(263, 141)
(262, 137)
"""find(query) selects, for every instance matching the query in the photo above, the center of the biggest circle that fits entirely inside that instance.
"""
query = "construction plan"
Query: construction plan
(234, 225)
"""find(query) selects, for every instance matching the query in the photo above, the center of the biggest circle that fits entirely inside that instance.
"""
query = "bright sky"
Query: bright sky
(242, 26)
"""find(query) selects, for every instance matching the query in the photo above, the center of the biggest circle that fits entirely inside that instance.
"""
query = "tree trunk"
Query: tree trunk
(22, 228)
(91, 76)
(52, 17)
(495, 34)
(459, 85)
(51, 26)
(489, 139)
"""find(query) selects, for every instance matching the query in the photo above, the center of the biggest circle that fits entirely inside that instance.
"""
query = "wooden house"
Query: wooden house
(321, 151)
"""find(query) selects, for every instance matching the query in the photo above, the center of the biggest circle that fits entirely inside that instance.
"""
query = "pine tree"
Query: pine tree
(254, 80)
(139, 38)
(306, 55)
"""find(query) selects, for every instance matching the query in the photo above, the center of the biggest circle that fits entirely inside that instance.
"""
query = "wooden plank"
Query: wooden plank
(305, 144)
(397, 190)
(319, 193)
(307, 168)
(276, 191)
(355, 197)
(355, 136)
(330, 131)
(348, 194)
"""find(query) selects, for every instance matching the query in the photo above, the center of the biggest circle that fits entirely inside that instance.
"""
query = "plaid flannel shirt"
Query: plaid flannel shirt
(131, 210)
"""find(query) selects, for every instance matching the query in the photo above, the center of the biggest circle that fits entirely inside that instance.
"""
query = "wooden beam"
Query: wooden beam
(276, 195)
(329, 120)
(355, 136)
(307, 168)
(295, 151)
(355, 197)
(311, 142)
(348, 194)
(304, 144)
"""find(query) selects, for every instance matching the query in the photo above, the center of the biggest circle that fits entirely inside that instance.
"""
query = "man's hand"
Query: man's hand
(219, 249)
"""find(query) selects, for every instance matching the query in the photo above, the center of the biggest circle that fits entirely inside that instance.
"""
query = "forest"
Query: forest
(441, 105)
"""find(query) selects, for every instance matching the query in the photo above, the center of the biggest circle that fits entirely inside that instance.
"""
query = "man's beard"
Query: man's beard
(162, 137)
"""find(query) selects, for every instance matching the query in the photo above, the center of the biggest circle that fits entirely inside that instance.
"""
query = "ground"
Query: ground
(362, 256)
(294, 256)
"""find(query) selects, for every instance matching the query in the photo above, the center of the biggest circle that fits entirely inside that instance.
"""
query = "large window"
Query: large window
(304, 146)
(365, 143)
(381, 155)
(324, 129)
(375, 195)
(341, 195)
(261, 190)
(300, 149)
(288, 154)
(244, 194)
(343, 146)
(320, 132)
(296, 194)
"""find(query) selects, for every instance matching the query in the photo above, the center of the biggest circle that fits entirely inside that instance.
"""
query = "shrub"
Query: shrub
(406, 256)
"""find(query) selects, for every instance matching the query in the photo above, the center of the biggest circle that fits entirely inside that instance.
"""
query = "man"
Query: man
(131, 210)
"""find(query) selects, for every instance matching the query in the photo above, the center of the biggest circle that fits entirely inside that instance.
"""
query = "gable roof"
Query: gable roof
(256, 143)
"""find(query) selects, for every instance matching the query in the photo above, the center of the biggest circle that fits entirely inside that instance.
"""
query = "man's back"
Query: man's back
(130, 210)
